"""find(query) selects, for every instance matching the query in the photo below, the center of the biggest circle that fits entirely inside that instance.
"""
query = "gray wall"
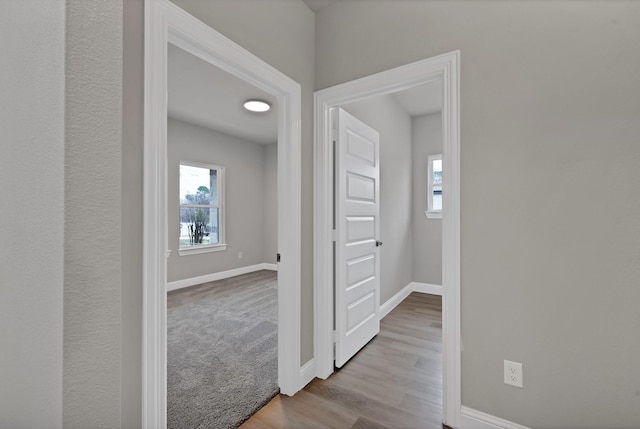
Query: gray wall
(553, 81)
(93, 214)
(101, 119)
(427, 233)
(32, 214)
(244, 198)
(550, 201)
(396, 230)
(103, 204)
(281, 32)
(132, 157)
(270, 211)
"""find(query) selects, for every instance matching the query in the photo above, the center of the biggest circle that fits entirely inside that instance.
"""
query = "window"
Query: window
(434, 187)
(201, 220)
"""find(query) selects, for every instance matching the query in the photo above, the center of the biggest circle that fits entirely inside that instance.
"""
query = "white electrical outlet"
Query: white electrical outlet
(240, 255)
(513, 373)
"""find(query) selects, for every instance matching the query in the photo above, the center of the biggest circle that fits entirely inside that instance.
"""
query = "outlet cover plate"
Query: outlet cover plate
(513, 373)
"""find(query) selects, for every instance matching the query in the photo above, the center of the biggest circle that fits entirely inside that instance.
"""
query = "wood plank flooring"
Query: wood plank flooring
(395, 381)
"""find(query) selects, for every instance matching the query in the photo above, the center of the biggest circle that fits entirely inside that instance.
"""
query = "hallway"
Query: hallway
(394, 381)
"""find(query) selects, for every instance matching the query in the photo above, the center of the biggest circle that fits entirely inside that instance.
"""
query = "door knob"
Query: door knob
(378, 243)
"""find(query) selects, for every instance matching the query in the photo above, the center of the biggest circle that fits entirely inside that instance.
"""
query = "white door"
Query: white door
(357, 223)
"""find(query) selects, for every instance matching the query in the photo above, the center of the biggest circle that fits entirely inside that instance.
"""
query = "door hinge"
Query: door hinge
(335, 343)
(334, 235)
(278, 257)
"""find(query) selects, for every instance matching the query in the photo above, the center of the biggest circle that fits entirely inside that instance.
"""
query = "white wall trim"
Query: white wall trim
(272, 267)
(426, 288)
(167, 23)
(446, 69)
(396, 299)
(433, 215)
(195, 250)
(307, 373)
(474, 419)
(179, 284)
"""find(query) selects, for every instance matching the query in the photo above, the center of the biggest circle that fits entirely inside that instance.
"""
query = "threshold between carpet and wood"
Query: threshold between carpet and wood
(221, 351)
(395, 381)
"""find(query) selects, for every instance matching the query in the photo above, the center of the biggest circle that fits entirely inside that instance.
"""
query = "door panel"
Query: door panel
(362, 148)
(360, 188)
(359, 270)
(357, 287)
(360, 228)
(360, 311)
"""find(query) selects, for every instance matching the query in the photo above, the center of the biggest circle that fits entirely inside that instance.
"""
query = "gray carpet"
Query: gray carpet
(222, 351)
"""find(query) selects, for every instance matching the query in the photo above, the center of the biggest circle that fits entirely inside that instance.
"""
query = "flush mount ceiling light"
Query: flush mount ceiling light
(257, 105)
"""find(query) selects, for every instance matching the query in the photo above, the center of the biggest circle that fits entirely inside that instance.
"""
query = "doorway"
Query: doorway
(222, 268)
(445, 69)
(166, 23)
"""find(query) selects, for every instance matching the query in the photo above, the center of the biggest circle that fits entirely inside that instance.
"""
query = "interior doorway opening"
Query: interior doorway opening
(409, 126)
(221, 269)
(442, 69)
(166, 23)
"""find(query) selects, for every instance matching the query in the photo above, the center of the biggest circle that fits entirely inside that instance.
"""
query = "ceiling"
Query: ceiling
(421, 100)
(205, 95)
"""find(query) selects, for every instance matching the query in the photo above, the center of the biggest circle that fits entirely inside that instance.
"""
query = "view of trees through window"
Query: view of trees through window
(199, 205)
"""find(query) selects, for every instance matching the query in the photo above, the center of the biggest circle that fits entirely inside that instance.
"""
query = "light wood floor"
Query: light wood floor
(395, 381)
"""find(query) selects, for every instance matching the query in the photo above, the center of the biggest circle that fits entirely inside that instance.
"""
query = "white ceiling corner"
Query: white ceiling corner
(421, 100)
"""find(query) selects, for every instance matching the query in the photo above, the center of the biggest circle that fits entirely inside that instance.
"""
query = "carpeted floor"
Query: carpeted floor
(222, 351)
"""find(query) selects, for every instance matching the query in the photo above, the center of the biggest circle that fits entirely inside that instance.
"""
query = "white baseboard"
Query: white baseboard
(272, 267)
(179, 284)
(396, 299)
(307, 373)
(474, 419)
(426, 288)
(404, 292)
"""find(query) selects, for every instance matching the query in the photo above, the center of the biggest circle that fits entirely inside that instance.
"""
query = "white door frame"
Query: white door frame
(167, 23)
(443, 67)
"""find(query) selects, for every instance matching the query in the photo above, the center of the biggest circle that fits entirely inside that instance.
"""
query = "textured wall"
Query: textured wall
(93, 192)
(31, 218)
(396, 229)
(132, 156)
(244, 198)
(281, 32)
(427, 233)
(550, 202)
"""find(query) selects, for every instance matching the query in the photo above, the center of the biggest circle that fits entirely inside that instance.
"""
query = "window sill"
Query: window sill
(433, 215)
(201, 249)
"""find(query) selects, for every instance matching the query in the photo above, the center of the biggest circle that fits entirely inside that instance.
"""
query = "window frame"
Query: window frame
(205, 248)
(431, 213)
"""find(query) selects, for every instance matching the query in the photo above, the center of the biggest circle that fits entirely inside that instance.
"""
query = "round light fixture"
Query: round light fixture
(257, 105)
